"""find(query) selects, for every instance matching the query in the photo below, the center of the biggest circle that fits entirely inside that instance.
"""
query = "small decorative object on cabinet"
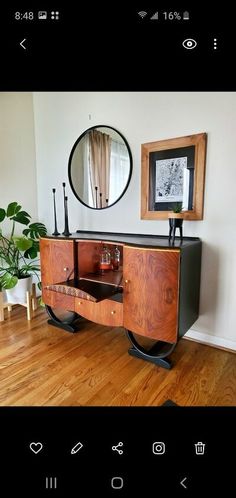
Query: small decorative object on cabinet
(149, 295)
(55, 213)
(66, 229)
(176, 221)
(116, 259)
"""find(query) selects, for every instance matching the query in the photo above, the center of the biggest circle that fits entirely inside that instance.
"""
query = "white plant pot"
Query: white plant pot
(17, 295)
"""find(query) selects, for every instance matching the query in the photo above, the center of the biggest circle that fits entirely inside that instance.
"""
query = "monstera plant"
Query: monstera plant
(18, 253)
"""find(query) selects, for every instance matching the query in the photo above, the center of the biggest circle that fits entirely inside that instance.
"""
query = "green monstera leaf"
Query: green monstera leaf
(32, 252)
(22, 217)
(13, 208)
(14, 213)
(8, 281)
(2, 214)
(22, 243)
(35, 230)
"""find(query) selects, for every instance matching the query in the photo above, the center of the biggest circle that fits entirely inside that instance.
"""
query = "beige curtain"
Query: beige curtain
(99, 167)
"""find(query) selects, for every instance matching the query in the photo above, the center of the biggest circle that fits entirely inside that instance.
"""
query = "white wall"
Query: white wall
(17, 152)
(144, 117)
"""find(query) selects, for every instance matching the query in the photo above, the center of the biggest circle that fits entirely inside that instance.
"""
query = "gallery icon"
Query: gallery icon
(42, 14)
(158, 448)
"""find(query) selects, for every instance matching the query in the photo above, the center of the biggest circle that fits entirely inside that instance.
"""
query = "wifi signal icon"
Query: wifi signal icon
(142, 13)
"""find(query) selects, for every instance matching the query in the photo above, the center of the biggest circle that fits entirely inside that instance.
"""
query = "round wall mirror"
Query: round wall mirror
(100, 167)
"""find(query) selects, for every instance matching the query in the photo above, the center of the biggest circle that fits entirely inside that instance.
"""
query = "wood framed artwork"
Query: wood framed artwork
(173, 171)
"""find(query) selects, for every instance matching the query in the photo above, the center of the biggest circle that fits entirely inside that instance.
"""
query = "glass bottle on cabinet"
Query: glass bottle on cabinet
(105, 260)
(116, 259)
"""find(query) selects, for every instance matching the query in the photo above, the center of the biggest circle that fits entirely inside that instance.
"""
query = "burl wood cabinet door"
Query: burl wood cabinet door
(57, 260)
(151, 291)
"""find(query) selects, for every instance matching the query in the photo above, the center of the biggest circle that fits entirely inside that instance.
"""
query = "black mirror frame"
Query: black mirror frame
(70, 161)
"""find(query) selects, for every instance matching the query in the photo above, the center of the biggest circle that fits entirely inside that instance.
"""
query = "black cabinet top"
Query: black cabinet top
(161, 241)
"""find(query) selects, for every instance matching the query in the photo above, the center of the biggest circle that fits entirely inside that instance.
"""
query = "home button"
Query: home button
(117, 483)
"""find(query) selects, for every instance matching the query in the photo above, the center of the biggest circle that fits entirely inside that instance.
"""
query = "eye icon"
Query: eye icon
(189, 43)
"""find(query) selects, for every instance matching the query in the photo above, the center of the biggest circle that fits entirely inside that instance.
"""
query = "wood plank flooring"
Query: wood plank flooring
(43, 365)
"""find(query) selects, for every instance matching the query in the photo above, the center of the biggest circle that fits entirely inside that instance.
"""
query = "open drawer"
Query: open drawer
(86, 289)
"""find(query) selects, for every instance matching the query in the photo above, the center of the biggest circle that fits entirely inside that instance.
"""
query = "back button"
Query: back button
(23, 44)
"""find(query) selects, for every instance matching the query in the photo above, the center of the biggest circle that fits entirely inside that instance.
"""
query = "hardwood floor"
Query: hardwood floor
(43, 365)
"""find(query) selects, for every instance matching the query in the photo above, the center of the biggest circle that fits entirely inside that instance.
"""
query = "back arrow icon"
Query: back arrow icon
(183, 481)
(22, 44)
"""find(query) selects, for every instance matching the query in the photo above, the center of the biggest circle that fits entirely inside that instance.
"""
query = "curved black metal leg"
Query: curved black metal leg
(156, 354)
(173, 236)
(68, 324)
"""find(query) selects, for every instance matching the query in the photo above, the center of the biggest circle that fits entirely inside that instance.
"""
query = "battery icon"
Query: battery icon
(186, 16)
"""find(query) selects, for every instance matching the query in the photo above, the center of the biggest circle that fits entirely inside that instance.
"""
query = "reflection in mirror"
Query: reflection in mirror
(100, 166)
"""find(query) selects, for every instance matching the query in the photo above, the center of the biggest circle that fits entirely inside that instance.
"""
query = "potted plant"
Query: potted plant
(176, 221)
(18, 253)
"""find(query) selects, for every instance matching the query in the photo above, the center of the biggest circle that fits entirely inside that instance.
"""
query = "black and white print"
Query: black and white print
(172, 180)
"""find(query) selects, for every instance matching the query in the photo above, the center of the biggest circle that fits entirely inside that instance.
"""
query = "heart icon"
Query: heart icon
(36, 447)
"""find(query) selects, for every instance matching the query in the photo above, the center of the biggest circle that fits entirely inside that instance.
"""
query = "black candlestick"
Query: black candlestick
(66, 231)
(96, 197)
(55, 214)
(64, 193)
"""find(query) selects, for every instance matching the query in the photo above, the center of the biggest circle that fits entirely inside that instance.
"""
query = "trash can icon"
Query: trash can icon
(199, 448)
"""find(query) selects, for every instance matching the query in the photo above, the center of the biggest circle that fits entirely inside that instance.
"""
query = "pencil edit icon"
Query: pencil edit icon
(76, 448)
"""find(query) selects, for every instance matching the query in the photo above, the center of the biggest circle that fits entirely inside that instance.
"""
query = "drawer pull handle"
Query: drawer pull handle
(80, 303)
(113, 312)
(65, 269)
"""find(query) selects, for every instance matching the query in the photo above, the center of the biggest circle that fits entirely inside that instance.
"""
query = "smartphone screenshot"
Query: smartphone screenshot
(117, 261)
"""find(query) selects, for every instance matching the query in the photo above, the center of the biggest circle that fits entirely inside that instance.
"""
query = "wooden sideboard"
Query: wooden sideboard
(154, 294)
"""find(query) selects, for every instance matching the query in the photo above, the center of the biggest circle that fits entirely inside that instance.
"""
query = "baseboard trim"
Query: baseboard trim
(210, 340)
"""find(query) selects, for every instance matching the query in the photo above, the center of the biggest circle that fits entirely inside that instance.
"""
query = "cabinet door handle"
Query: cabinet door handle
(65, 269)
(169, 295)
(113, 312)
(127, 284)
(80, 303)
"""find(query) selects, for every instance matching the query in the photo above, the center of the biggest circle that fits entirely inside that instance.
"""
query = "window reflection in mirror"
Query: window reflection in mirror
(100, 166)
